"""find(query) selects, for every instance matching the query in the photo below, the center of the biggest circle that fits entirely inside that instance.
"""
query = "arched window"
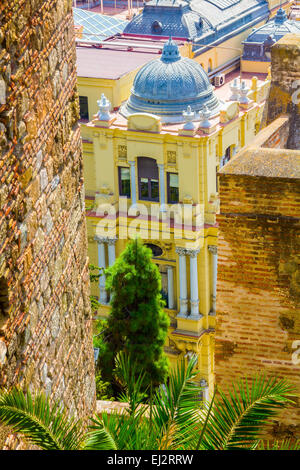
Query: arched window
(228, 154)
(156, 250)
(148, 179)
(210, 66)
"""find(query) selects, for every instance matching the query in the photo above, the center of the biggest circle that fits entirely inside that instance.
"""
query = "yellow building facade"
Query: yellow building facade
(151, 171)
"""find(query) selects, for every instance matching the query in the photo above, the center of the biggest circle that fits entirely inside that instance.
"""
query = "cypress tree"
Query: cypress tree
(137, 323)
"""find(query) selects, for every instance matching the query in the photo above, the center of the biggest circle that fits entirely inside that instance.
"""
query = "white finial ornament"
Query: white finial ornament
(204, 118)
(234, 87)
(244, 90)
(189, 116)
(104, 108)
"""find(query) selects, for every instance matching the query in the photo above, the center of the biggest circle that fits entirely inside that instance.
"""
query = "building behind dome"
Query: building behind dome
(195, 19)
(257, 55)
(214, 29)
(166, 86)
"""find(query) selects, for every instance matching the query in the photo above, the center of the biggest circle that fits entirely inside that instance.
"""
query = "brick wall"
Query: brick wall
(45, 322)
(277, 133)
(258, 290)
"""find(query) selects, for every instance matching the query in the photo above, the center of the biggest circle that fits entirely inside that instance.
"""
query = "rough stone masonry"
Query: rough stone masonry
(45, 319)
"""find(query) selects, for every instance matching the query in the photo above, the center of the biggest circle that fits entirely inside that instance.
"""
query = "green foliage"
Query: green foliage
(131, 382)
(103, 389)
(173, 420)
(287, 444)
(237, 421)
(100, 327)
(99, 436)
(137, 323)
(44, 425)
(176, 408)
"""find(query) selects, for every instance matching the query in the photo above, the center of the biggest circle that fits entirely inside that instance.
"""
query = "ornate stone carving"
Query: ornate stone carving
(180, 251)
(192, 253)
(111, 241)
(213, 249)
(171, 157)
(122, 152)
(108, 240)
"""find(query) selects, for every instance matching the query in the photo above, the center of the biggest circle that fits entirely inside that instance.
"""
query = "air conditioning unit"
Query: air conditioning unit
(219, 79)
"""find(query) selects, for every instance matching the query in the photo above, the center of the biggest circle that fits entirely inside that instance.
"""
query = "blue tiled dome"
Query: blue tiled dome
(261, 38)
(166, 86)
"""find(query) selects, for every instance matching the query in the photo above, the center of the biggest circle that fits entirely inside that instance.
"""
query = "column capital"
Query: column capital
(109, 240)
(131, 162)
(180, 251)
(161, 165)
(193, 253)
(112, 241)
(99, 239)
(213, 249)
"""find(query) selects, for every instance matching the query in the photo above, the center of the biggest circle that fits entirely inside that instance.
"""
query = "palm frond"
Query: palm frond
(129, 432)
(238, 421)
(99, 437)
(132, 382)
(46, 426)
(176, 407)
(287, 444)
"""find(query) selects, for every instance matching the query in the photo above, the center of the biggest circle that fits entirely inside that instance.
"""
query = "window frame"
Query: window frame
(120, 168)
(169, 173)
(150, 177)
(80, 108)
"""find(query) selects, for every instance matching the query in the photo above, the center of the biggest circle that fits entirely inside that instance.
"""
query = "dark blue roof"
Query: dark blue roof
(204, 20)
(276, 28)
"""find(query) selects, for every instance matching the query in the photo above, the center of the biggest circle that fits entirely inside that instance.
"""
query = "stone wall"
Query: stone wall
(258, 289)
(285, 86)
(45, 320)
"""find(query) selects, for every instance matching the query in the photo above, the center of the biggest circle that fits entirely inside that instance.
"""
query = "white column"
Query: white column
(205, 391)
(170, 287)
(162, 191)
(132, 183)
(194, 282)
(214, 251)
(111, 251)
(101, 264)
(182, 281)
